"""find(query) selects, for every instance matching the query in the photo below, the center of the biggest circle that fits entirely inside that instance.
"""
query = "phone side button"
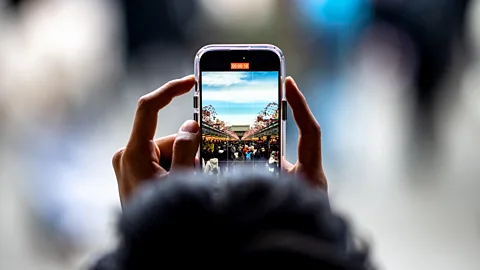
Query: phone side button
(195, 102)
(195, 117)
(284, 110)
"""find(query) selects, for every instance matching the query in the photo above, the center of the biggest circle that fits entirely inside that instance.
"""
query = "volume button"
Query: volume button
(195, 102)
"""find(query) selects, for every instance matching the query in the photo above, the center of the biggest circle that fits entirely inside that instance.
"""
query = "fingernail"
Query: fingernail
(187, 77)
(190, 126)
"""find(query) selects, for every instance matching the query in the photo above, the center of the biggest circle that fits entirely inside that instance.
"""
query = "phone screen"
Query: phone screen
(240, 122)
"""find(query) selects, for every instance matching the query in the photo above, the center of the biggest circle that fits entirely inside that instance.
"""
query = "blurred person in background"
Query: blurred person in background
(59, 61)
(156, 25)
(157, 34)
(176, 217)
(55, 56)
(156, 29)
(330, 32)
(436, 30)
(412, 41)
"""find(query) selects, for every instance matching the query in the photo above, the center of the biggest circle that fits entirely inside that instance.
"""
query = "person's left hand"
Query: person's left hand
(145, 158)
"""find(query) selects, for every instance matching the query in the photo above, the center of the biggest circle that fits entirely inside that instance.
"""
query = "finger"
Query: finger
(116, 159)
(145, 122)
(185, 146)
(287, 166)
(197, 163)
(309, 142)
(165, 145)
(304, 118)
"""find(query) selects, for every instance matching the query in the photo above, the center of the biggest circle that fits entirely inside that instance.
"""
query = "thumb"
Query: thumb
(185, 146)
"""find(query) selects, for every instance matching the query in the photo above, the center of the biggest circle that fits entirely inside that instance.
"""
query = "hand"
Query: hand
(145, 158)
(309, 163)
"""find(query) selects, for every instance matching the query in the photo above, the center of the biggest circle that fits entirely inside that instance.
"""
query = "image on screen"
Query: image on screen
(240, 122)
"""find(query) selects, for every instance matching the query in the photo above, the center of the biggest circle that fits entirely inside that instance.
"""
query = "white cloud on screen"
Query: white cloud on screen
(260, 92)
(219, 79)
(238, 119)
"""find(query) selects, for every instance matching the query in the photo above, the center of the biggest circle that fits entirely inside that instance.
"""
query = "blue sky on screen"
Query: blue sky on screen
(238, 97)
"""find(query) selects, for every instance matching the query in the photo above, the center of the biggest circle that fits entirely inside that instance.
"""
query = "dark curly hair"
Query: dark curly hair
(243, 221)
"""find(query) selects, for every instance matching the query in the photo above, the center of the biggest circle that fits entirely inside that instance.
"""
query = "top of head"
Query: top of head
(249, 220)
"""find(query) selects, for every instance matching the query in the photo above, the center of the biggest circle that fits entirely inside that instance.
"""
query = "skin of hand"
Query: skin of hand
(145, 158)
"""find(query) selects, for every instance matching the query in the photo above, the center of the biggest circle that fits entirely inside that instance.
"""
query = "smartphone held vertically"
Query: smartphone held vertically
(239, 102)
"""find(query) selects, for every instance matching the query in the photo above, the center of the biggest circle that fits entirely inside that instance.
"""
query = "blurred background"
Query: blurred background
(395, 86)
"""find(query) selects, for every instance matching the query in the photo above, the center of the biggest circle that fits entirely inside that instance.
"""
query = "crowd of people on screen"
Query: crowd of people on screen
(221, 156)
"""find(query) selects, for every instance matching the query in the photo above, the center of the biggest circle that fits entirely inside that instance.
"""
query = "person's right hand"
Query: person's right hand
(309, 164)
(146, 158)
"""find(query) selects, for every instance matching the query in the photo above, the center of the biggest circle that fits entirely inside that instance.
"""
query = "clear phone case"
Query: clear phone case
(260, 47)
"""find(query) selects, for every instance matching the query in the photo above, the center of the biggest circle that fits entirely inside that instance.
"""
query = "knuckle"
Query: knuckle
(316, 130)
(143, 102)
(185, 145)
(169, 84)
(117, 157)
(183, 139)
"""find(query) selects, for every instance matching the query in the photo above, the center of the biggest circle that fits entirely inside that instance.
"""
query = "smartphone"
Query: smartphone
(239, 102)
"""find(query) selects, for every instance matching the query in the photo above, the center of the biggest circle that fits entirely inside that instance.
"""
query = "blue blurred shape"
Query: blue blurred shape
(334, 13)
